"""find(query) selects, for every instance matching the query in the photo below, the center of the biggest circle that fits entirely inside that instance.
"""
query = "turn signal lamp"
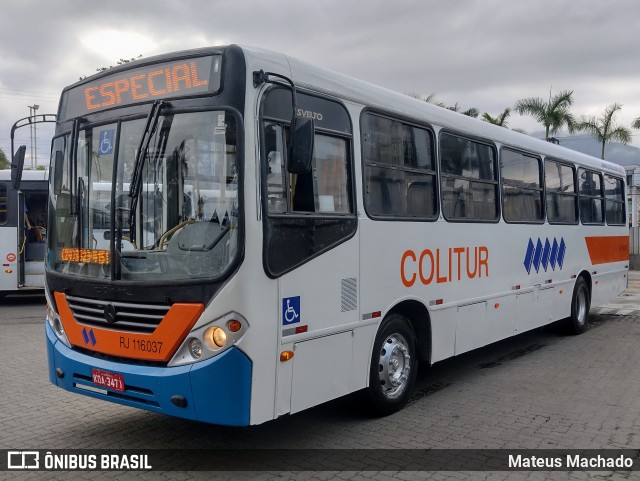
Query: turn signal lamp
(234, 326)
(286, 356)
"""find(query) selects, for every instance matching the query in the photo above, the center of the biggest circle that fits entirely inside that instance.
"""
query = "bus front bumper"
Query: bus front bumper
(216, 391)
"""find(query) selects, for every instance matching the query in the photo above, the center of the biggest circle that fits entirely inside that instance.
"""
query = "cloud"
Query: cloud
(481, 53)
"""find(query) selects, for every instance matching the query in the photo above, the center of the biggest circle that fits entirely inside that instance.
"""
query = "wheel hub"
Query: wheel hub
(394, 365)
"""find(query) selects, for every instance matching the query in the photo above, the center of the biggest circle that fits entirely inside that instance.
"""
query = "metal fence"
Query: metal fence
(634, 241)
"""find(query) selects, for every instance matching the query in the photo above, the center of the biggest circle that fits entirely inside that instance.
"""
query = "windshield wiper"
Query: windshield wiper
(136, 179)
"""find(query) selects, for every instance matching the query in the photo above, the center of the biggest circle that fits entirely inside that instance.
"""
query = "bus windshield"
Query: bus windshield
(184, 220)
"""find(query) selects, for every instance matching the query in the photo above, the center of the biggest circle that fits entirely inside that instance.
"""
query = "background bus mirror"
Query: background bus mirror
(17, 164)
(301, 150)
(58, 165)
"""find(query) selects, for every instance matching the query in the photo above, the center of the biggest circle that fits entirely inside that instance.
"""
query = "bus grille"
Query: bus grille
(117, 316)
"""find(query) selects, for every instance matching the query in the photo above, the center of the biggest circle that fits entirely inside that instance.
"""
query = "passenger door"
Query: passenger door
(311, 248)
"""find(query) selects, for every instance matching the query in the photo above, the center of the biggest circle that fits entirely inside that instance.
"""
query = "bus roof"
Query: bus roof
(348, 88)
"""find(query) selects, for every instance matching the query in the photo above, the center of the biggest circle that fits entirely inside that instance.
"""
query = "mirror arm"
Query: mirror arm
(260, 77)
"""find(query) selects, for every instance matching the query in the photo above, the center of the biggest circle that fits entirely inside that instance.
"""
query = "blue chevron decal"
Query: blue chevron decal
(545, 254)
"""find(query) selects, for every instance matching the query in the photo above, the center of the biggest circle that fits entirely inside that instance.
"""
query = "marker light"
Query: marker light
(215, 337)
(195, 348)
(286, 356)
(234, 326)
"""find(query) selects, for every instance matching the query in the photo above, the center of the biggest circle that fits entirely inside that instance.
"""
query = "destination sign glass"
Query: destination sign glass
(143, 84)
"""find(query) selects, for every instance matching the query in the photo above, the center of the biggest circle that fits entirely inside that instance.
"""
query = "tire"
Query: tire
(580, 304)
(394, 366)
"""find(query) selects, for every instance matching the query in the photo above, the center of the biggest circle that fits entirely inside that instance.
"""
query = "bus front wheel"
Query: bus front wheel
(580, 303)
(393, 366)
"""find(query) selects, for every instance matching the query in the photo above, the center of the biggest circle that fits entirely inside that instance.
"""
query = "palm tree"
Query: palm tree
(500, 119)
(604, 129)
(472, 112)
(431, 99)
(553, 114)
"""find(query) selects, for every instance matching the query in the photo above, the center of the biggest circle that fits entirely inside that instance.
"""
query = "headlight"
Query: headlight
(54, 320)
(215, 338)
(211, 339)
(195, 348)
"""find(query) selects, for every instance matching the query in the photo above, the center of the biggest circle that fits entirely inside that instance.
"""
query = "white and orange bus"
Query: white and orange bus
(235, 235)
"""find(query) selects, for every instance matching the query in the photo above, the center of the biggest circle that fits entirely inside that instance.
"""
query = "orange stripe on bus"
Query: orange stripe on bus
(160, 345)
(608, 249)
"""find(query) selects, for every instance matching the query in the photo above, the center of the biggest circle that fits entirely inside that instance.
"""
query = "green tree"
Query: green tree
(431, 99)
(4, 162)
(636, 123)
(472, 112)
(553, 114)
(604, 129)
(119, 62)
(500, 119)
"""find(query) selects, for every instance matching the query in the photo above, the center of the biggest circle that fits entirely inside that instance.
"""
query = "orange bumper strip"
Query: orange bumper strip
(157, 346)
(603, 250)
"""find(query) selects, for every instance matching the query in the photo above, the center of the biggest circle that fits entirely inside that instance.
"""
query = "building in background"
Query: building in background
(633, 194)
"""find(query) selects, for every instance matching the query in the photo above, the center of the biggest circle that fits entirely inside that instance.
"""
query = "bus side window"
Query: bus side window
(399, 169)
(469, 179)
(522, 192)
(3, 203)
(276, 176)
(324, 189)
(615, 201)
(591, 197)
(561, 193)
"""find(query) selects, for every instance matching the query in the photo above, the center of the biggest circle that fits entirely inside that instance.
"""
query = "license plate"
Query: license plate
(107, 379)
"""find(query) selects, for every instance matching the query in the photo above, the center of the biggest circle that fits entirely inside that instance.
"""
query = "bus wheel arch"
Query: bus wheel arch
(580, 304)
(418, 316)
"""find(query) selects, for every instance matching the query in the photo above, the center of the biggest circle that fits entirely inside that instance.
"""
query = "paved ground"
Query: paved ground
(539, 390)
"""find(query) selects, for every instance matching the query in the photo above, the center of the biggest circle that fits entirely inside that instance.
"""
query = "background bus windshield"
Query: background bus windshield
(184, 221)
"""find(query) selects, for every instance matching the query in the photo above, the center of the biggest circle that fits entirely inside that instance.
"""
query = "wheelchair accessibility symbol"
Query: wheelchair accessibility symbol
(290, 310)
(106, 142)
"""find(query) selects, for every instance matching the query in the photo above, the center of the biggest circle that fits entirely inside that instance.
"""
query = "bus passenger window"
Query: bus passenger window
(591, 197)
(614, 191)
(399, 169)
(469, 179)
(521, 187)
(561, 193)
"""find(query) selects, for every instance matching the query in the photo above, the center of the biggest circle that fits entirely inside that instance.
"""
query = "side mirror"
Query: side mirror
(17, 164)
(301, 150)
(58, 165)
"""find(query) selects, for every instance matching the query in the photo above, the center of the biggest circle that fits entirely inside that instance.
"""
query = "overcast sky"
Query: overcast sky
(478, 53)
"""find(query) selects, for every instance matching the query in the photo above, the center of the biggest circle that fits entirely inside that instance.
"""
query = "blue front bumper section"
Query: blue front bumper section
(216, 391)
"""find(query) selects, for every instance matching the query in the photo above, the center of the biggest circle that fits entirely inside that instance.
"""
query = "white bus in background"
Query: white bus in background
(22, 249)
(285, 235)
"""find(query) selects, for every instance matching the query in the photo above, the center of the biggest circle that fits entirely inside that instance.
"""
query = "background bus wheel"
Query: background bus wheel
(580, 303)
(393, 366)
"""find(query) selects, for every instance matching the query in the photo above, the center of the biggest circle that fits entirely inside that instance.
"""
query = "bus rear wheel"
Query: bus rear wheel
(393, 366)
(580, 303)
